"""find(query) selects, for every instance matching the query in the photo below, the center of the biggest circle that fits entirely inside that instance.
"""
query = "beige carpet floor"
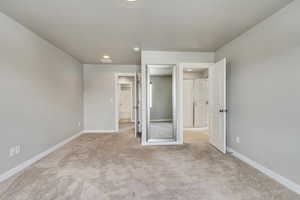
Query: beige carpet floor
(126, 126)
(191, 137)
(117, 167)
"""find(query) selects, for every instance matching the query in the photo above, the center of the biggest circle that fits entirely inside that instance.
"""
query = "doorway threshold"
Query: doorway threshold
(161, 142)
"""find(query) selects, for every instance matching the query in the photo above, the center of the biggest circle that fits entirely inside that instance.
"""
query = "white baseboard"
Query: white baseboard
(99, 131)
(29, 162)
(195, 129)
(160, 144)
(284, 181)
(161, 120)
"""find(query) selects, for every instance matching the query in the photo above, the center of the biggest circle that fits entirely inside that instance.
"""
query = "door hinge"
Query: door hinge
(223, 110)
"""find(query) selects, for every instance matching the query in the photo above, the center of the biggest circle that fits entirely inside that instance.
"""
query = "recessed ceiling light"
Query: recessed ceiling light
(106, 60)
(189, 70)
(131, 0)
(106, 57)
(136, 49)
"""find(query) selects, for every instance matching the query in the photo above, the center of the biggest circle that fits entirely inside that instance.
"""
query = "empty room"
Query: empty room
(149, 100)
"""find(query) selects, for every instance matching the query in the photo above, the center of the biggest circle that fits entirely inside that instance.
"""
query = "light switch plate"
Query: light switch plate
(12, 151)
(238, 140)
(18, 149)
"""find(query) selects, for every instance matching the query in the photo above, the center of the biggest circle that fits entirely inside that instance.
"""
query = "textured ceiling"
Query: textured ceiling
(87, 29)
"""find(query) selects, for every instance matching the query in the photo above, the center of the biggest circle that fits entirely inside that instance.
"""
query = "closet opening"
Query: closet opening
(195, 105)
(161, 104)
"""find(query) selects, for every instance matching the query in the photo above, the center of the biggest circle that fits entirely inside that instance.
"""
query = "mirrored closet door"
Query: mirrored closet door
(161, 101)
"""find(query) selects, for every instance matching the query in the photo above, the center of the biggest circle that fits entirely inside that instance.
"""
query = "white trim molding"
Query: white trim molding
(280, 179)
(36, 158)
(99, 131)
(161, 143)
(160, 120)
(196, 129)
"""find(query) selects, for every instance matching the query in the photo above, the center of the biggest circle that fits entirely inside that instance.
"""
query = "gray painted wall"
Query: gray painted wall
(263, 92)
(41, 94)
(99, 95)
(161, 97)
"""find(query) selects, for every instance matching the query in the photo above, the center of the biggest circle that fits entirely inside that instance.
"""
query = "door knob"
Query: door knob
(223, 110)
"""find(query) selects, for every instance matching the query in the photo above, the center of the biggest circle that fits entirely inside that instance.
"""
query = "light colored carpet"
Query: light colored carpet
(117, 167)
(125, 126)
(191, 137)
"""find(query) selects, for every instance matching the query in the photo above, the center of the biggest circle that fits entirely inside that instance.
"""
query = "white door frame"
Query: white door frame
(117, 88)
(183, 66)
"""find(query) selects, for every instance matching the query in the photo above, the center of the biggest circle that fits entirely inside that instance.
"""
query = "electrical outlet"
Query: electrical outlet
(12, 151)
(18, 149)
(238, 140)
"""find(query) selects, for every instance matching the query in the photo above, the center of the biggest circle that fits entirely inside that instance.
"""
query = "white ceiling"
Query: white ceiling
(87, 29)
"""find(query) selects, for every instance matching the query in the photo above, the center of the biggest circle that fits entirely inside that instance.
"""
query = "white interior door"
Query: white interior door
(188, 103)
(217, 105)
(200, 103)
(126, 103)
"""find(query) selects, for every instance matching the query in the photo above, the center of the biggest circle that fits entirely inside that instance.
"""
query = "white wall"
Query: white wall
(163, 58)
(41, 94)
(99, 95)
(263, 92)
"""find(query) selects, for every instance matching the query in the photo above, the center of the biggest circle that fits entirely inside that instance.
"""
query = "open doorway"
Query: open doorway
(126, 101)
(161, 104)
(195, 105)
(202, 103)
